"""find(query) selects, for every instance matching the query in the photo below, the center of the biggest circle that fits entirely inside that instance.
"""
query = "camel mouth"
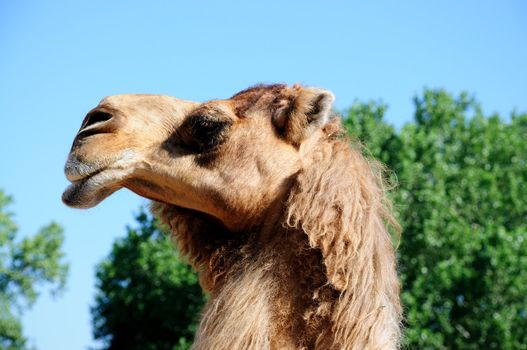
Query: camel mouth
(77, 170)
(92, 189)
(92, 183)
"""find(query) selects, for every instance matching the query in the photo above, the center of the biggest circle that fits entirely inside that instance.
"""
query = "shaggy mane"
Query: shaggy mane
(320, 275)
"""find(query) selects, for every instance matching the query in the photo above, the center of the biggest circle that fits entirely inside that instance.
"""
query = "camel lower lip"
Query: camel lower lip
(73, 194)
(90, 190)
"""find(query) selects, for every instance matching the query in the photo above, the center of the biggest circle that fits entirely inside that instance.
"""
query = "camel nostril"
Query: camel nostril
(96, 117)
(96, 123)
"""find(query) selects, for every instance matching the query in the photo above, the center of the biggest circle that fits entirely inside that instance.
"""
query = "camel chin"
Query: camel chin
(90, 191)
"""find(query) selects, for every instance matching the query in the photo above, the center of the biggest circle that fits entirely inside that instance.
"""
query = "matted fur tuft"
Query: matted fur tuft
(339, 201)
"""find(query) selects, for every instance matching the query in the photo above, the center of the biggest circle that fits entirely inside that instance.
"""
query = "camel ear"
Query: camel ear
(308, 109)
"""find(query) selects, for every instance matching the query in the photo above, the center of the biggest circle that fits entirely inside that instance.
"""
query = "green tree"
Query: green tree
(462, 202)
(147, 298)
(24, 264)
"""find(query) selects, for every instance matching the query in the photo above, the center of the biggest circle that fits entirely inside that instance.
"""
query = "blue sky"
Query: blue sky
(59, 58)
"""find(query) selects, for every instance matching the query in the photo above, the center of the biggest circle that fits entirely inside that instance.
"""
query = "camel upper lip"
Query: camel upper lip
(77, 178)
(76, 170)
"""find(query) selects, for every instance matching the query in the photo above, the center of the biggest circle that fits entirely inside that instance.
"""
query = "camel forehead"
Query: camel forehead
(124, 101)
(259, 97)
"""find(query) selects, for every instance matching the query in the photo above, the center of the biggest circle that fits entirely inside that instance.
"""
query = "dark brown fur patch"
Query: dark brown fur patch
(251, 97)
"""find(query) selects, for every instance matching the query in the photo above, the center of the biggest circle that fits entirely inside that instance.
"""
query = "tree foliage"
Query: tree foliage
(147, 298)
(25, 264)
(462, 202)
(461, 198)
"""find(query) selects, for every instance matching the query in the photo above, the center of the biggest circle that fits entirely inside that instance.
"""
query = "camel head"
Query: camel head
(231, 159)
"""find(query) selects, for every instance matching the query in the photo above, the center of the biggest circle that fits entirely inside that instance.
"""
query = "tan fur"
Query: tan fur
(340, 204)
(286, 223)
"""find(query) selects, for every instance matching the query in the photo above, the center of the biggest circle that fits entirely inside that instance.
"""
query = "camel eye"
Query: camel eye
(204, 133)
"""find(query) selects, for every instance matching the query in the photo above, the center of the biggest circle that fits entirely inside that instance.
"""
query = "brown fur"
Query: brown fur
(299, 259)
(328, 259)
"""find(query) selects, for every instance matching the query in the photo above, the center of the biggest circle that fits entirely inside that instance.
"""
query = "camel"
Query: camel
(282, 216)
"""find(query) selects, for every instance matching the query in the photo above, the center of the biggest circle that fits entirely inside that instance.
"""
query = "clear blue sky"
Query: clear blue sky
(59, 58)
